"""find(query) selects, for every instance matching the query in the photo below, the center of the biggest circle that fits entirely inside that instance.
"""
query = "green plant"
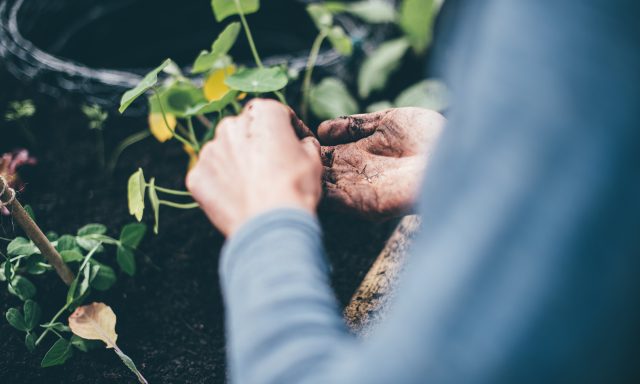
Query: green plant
(184, 109)
(75, 258)
(97, 118)
(20, 111)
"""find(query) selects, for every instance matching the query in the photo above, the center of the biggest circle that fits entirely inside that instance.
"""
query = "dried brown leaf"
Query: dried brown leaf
(95, 321)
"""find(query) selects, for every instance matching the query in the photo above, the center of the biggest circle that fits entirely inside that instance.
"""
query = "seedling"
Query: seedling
(178, 103)
(97, 118)
(20, 111)
(74, 257)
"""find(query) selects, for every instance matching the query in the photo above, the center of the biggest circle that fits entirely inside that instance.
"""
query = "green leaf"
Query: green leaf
(92, 229)
(66, 243)
(5, 270)
(320, 15)
(212, 106)
(85, 345)
(155, 204)
(103, 277)
(379, 106)
(52, 236)
(21, 246)
(181, 97)
(145, 84)
(30, 341)
(219, 49)
(225, 8)
(88, 243)
(430, 94)
(340, 41)
(126, 260)
(16, 320)
(32, 313)
(36, 265)
(86, 278)
(135, 192)
(416, 20)
(71, 256)
(57, 326)
(331, 99)
(258, 80)
(59, 353)
(29, 210)
(132, 234)
(22, 288)
(379, 65)
(71, 292)
(371, 11)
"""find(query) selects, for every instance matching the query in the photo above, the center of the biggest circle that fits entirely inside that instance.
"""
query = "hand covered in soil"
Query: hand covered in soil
(256, 163)
(375, 169)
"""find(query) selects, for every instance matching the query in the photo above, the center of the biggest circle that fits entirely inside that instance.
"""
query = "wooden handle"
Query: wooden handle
(370, 302)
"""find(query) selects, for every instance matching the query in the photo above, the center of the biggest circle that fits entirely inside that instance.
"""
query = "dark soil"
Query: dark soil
(170, 315)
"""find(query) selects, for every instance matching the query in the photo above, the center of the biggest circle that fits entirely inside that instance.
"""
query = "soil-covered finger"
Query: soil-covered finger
(347, 129)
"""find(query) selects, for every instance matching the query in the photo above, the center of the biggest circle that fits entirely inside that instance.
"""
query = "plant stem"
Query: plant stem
(35, 234)
(178, 205)
(172, 191)
(124, 144)
(192, 135)
(166, 123)
(311, 63)
(130, 364)
(247, 32)
(280, 97)
(204, 121)
(53, 320)
(67, 305)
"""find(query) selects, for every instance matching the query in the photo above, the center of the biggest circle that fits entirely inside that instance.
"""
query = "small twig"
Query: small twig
(7, 198)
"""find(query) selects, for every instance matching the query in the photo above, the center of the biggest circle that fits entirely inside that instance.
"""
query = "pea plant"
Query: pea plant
(81, 260)
(19, 112)
(187, 109)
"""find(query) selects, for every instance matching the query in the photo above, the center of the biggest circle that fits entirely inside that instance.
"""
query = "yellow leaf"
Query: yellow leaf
(158, 127)
(214, 87)
(95, 321)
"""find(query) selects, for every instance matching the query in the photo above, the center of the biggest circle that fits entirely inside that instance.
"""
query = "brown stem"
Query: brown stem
(35, 234)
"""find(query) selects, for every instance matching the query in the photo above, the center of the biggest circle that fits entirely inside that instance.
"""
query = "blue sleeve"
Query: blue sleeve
(526, 268)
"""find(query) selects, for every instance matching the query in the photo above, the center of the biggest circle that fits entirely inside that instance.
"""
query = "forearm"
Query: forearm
(282, 318)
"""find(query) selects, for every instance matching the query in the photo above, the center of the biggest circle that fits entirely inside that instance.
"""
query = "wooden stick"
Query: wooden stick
(34, 233)
(370, 302)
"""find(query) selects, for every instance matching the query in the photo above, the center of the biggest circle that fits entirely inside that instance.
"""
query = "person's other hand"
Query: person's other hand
(256, 163)
(374, 162)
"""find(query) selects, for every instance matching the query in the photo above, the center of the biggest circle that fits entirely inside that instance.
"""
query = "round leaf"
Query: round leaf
(30, 341)
(331, 99)
(145, 84)
(258, 80)
(132, 234)
(16, 320)
(21, 246)
(126, 260)
(340, 41)
(92, 229)
(429, 94)
(225, 8)
(103, 277)
(220, 47)
(22, 288)
(378, 66)
(32, 313)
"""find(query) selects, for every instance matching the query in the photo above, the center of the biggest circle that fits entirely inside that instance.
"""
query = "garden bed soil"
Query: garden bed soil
(170, 315)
